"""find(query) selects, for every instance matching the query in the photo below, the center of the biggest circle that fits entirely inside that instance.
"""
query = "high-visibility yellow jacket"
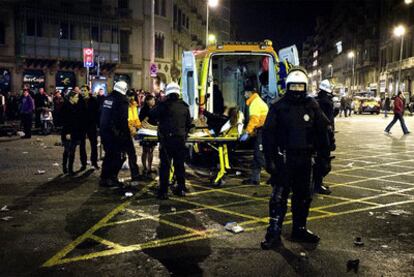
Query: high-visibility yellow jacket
(258, 110)
(133, 120)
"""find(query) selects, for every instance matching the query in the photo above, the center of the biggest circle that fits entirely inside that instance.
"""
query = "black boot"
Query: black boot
(301, 234)
(272, 239)
(178, 191)
(323, 190)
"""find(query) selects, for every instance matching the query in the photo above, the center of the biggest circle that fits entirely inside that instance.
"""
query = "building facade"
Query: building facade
(41, 41)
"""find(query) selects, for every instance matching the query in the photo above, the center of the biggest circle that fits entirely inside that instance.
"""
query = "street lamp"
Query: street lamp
(213, 4)
(351, 55)
(399, 31)
(331, 68)
(408, 2)
(212, 39)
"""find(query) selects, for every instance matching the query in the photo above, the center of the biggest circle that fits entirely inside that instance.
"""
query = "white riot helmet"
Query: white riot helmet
(121, 87)
(325, 85)
(172, 88)
(297, 80)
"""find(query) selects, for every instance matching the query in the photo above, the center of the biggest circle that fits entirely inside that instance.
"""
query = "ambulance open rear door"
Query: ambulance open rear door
(189, 82)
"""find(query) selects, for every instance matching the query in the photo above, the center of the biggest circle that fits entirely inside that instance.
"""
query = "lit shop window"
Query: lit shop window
(338, 47)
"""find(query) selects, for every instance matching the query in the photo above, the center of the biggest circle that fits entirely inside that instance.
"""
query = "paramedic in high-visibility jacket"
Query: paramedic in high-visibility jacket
(258, 110)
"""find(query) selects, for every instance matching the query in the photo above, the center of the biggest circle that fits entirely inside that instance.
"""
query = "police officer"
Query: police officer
(114, 133)
(174, 123)
(322, 168)
(295, 129)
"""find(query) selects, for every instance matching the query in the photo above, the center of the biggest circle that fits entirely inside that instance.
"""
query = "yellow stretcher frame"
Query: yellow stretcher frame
(217, 143)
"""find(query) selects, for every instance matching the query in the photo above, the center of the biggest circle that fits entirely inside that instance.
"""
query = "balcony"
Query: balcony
(53, 48)
(405, 64)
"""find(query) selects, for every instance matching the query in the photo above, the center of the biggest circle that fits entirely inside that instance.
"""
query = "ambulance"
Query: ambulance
(222, 69)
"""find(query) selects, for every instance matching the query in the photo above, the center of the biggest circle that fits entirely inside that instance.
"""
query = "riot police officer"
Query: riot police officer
(114, 133)
(174, 123)
(295, 129)
(322, 168)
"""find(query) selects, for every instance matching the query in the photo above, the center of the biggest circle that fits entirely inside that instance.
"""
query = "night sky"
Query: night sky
(285, 22)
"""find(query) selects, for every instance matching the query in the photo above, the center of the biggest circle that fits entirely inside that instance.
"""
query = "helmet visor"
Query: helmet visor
(297, 87)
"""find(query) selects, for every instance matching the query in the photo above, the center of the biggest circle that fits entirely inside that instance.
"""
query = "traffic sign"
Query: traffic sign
(153, 70)
(88, 57)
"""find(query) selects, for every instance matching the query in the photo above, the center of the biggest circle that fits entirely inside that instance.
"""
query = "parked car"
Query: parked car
(367, 105)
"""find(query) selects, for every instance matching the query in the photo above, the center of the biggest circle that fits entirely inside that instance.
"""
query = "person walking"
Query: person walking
(295, 129)
(26, 113)
(57, 109)
(387, 105)
(258, 110)
(114, 132)
(343, 107)
(174, 123)
(398, 114)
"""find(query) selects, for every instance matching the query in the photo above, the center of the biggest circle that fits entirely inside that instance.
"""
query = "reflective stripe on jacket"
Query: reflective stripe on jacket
(258, 110)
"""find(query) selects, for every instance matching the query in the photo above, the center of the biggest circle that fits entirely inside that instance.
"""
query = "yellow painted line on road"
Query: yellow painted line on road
(106, 242)
(223, 190)
(68, 248)
(349, 199)
(207, 235)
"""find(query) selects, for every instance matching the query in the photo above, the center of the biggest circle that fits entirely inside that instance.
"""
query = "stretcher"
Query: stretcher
(217, 143)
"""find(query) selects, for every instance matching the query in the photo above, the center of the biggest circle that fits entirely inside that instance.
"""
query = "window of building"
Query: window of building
(66, 31)
(2, 33)
(338, 46)
(123, 4)
(315, 63)
(160, 7)
(175, 16)
(114, 35)
(187, 24)
(34, 27)
(95, 34)
(124, 42)
(159, 45)
(315, 53)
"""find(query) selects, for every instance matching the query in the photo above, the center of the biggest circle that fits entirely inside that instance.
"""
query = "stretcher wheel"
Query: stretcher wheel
(219, 183)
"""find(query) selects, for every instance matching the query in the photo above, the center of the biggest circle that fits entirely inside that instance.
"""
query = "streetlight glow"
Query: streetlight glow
(399, 31)
(213, 3)
(329, 65)
(408, 2)
(211, 38)
(351, 54)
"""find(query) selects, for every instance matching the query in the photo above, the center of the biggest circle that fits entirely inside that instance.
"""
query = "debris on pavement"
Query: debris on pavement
(352, 265)
(40, 172)
(384, 246)
(4, 209)
(238, 173)
(128, 194)
(358, 241)
(25, 152)
(371, 213)
(398, 212)
(39, 139)
(173, 209)
(6, 218)
(381, 217)
(233, 227)
(391, 188)
(349, 165)
(55, 164)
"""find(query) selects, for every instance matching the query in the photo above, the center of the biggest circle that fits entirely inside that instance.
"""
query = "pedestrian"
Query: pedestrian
(41, 102)
(258, 110)
(320, 170)
(129, 148)
(387, 105)
(114, 132)
(26, 113)
(295, 129)
(73, 131)
(91, 123)
(12, 105)
(174, 123)
(148, 122)
(2, 107)
(349, 106)
(57, 108)
(398, 114)
(343, 107)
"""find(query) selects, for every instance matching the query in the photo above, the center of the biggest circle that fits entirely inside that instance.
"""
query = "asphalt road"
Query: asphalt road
(54, 225)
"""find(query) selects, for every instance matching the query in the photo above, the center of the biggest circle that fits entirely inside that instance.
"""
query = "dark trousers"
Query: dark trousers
(112, 161)
(295, 175)
(37, 118)
(92, 135)
(258, 158)
(400, 117)
(172, 149)
(27, 124)
(129, 150)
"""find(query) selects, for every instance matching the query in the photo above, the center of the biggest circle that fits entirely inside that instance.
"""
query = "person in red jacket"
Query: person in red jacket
(398, 114)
